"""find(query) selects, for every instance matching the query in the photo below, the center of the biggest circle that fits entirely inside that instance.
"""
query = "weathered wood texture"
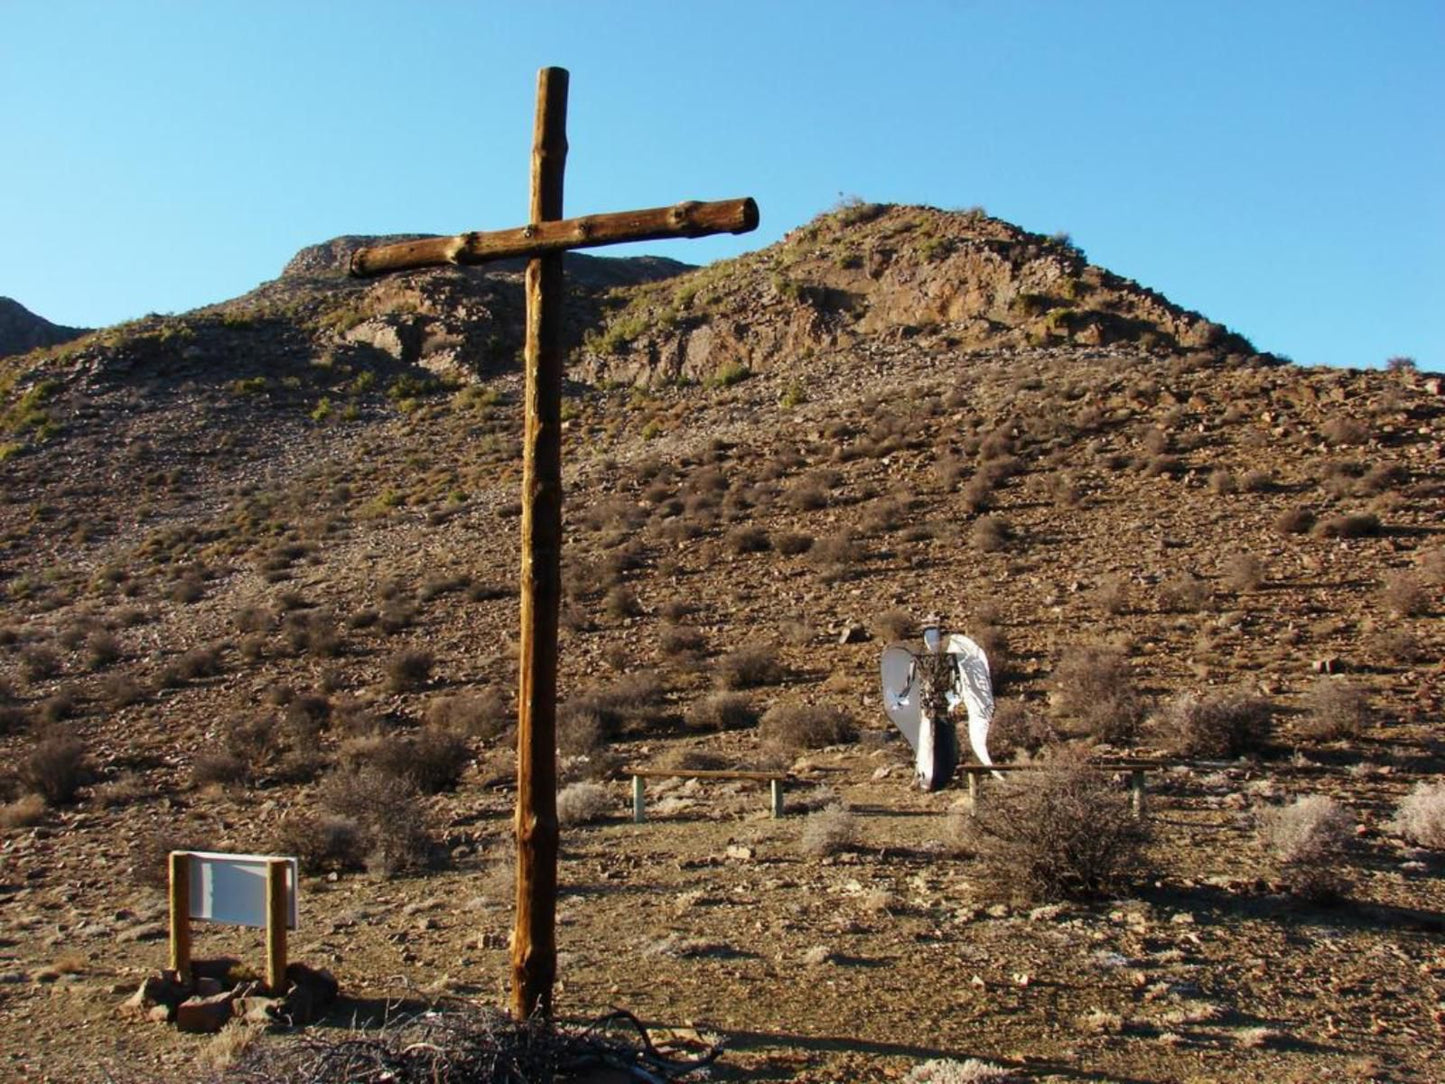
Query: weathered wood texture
(534, 946)
(277, 914)
(545, 235)
(180, 900)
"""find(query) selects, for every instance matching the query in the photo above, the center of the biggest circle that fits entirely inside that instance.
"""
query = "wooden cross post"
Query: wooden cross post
(544, 239)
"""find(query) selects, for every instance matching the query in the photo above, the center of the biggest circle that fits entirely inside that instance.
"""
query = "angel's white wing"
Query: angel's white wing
(901, 693)
(976, 685)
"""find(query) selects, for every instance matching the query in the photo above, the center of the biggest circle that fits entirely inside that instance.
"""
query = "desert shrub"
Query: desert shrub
(622, 602)
(13, 717)
(1016, 729)
(55, 768)
(792, 543)
(580, 729)
(893, 625)
(252, 618)
(949, 1071)
(389, 813)
(1336, 710)
(748, 539)
(1394, 646)
(397, 615)
(1222, 482)
(1294, 521)
(59, 706)
(313, 632)
(990, 534)
(1061, 833)
(1112, 594)
(484, 714)
(1405, 595)
(1353, 525)
(1341, 430)
(1420, 817)
(1308, 841)
(836, 555)
(438, 757)
(600, 713)
(1164, 466)
(1095, 685)
(721, 711)
(749, 667)
(1183, 592)
(192, 665)
(409, 669)
(102, 648)
(1432, 566)
(25, 812)
(38, 662)
(1243, 572)
(676, 609)
(681, 640)
(1229, 725)
(322, 842)
(218, 769)
(582, 803)
(829, 831)
(792, 726)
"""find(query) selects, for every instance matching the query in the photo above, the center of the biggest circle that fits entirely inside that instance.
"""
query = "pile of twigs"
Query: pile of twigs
(464, 1043)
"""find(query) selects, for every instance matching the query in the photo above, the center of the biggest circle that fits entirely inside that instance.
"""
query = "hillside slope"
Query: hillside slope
(252, 553)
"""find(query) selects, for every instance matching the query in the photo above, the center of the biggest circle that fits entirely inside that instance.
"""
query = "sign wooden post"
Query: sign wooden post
(180, 885)
(546, 236)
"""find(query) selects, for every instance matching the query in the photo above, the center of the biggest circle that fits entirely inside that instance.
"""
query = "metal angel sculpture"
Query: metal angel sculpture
(921, 694)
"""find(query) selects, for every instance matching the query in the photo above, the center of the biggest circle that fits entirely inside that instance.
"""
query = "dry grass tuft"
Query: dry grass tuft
(829, 831)
(583, 803)
(1337, 710)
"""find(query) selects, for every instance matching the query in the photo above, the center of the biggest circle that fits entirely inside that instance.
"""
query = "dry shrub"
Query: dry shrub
(1396, 646)
(323, 842)
(38, 662)
(1059, 833)
(315, 633)
(1420, 817)
(1229, 725)
(1222, 482)
(949, 1071)
(749, 667)
(792, 543)
(25, 812)
(793, 726)
(55, 769)
(118, 691)
(102, 648)
(387, 811)
(1432, 566)
(1183, 592)
(1353, 525)
(990, 534)
(748, 539)
(1095, 685)
(1016, 729)
(218, 769)
(1337, 710)
(431, 760)
(621, 603)
(409, 669)
(1294, 521)
(1243, 572)
(722, 711)
(681, 640)
(1308, 841)
(484, 714)
(1343, 430)
(893, 625)
(1405, 595)
(582, 803)
(1112, 594)
(829, 831)
(192, 665)
(600, 713)
(836, 555)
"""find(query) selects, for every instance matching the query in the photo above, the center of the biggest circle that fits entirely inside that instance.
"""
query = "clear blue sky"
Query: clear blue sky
(1277, 166)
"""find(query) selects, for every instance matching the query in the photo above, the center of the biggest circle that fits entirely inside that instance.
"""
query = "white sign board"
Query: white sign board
(232, 888)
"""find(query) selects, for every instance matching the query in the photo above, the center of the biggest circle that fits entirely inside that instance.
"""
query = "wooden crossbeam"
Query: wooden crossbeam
(593, 231)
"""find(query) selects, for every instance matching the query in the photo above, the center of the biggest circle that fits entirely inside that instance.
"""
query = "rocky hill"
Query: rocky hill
(22, 331)
(258, 557)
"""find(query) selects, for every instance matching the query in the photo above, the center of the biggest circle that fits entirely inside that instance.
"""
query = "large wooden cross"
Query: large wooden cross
(544, 239)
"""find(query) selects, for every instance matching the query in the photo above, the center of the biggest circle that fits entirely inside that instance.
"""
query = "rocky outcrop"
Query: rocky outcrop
(21, 330)
(886, 273)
